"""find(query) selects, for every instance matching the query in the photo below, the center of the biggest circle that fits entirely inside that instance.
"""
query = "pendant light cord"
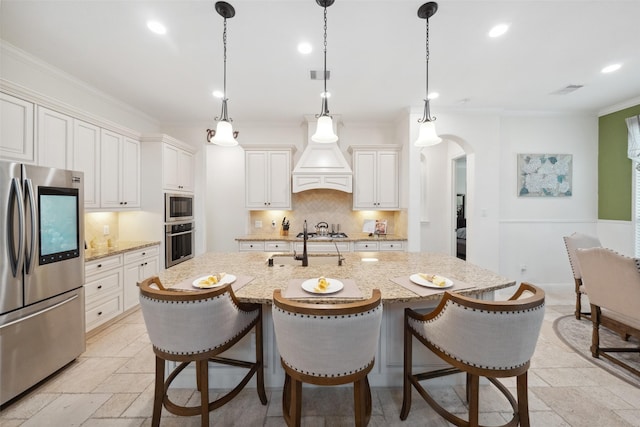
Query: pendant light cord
(325, 52)
(224, 113)
(427, 112)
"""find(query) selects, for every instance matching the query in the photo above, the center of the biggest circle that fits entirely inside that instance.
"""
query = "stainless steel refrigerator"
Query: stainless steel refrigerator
(41, 272)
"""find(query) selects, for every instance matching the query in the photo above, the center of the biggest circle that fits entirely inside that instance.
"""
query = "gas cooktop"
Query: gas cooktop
(328, 236)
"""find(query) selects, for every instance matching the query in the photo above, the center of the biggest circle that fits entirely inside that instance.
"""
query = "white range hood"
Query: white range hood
(322, 166)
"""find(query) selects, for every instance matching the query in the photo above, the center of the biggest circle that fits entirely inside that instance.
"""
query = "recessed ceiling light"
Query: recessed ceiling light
(218, 94)
(305, 48)
(433, 95)
(611, 68)
(498, 30)
(156, 27)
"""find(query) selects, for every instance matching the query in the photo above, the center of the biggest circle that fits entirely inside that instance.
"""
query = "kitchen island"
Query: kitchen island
(360, 267)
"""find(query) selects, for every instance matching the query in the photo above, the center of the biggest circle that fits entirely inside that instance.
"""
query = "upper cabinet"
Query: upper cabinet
(86, 158)
(119, 171)
(178, 168)
(55, 139)
(376, 177)
(268, 178)
(16, 129)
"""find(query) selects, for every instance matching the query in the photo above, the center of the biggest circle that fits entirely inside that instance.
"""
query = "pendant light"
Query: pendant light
(427, 135)
(324, 130)
(223, 134)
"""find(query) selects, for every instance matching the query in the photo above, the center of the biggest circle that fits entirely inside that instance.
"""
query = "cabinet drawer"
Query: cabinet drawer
(365, 246)
(252, 246)
(392, 246)
(106, 283)
(328, 247)
(133, 256)
(103, 311)
(277, 246)
(100, 265)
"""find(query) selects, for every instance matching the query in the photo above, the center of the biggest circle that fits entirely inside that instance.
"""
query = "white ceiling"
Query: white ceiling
(376, 55)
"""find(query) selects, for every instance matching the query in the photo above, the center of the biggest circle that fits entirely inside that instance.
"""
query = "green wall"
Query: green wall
(614, 168)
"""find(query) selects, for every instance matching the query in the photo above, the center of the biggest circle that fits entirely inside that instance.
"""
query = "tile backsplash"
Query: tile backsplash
(94, 223)
(330, 206)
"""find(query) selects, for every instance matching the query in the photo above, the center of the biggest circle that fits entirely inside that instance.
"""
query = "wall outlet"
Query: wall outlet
(273, 223)
(258, 224)
(105, 230)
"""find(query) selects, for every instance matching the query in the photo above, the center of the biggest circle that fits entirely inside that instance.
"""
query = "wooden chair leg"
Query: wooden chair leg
(408, 361)
(158, 394)
(198, 373)
(286, 398)
(260, 361)
(474, 400)
(523, 400)
(595, 334)
(296, 403)
(362, 402)
(468, 387)
(203, 380)
(578, 301)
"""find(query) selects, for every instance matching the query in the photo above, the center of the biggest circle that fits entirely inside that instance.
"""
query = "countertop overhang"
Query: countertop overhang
(368, 275)
(292, 237)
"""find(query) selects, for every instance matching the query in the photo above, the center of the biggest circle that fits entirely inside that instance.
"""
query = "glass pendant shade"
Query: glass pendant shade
(224, 135)
(324, 131)
(427, 136)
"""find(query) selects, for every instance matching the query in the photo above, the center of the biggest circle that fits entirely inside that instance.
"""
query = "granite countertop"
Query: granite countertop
(353, 237)
(121, 247)
(367, 275)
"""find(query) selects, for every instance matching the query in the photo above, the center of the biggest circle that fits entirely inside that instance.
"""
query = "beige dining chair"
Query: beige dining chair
(491, 339)
(327, 344)
(612, 281)
(572, 243)
(196, 326)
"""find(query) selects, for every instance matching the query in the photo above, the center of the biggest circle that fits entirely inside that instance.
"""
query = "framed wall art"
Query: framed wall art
(544, 175)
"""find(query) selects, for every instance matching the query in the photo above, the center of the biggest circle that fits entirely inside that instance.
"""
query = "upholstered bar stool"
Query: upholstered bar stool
(196, 326)
(327, 344)
(480, 338)
(573, 243)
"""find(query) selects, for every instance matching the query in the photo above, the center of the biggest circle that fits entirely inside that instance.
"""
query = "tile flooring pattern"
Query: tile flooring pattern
(111, 385)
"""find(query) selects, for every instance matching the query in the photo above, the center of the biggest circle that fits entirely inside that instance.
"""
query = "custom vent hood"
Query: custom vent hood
(321, 166)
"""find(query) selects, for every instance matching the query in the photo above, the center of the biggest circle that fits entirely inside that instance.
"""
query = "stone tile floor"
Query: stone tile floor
(111, 385)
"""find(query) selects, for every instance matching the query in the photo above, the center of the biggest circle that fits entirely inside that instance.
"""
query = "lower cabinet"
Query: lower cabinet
(382, 245)
(138, 265)
(324, 247)
(103, 290)
(111, 283)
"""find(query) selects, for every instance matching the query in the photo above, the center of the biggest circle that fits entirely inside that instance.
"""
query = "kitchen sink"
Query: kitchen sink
(315, 259)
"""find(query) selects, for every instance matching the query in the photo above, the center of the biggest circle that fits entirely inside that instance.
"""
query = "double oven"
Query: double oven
(179, 228)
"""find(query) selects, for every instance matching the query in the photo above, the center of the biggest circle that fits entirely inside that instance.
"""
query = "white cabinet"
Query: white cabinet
(178, 169)
(103, 290)
(268, 179)
(16, 129)
(86, 158)
(322, 247)
(376, 176)
(251, 246)
(138, 265)
(382, 245)
(55, 139)
(119, 171)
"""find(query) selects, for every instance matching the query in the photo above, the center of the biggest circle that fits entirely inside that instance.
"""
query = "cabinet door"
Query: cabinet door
(387, 180)
(170, 167)
(86, 158)
(256, 182)
(16, 129)
(130, 160)
(279, 179)
(131, 290)
(55, 139)
(186, 171)
(110, 169)
(150, 268)
(364, 193)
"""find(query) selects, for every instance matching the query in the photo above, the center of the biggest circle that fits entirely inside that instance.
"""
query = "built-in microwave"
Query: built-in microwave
(178, 207)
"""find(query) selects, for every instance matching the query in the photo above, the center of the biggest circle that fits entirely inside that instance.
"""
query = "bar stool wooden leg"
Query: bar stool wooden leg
(203, 379)
(523, 400)
(158, 392)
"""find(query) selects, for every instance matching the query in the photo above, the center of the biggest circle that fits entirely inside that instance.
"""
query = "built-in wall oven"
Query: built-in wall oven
(178, 207)
(179, 242)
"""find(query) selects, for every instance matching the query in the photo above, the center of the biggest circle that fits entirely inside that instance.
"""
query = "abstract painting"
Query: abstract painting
(544, 175)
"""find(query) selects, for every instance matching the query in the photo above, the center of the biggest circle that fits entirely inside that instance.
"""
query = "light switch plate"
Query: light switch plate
(258, 224)
(105, 230)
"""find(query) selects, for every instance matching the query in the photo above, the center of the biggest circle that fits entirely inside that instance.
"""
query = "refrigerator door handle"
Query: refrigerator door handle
(16, 257)
(53, 307)
(29, 261)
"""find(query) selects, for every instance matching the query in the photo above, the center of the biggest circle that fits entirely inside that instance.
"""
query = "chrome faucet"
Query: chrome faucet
(304, 258)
